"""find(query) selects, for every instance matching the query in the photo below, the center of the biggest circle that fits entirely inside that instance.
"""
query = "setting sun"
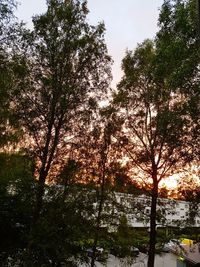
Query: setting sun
(171, 182)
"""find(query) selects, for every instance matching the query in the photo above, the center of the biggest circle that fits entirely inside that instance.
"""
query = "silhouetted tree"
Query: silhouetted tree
(10, 34)
(66, 69)
(155, 128)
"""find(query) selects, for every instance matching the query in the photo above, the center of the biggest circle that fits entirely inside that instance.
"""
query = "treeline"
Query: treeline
(61, 124)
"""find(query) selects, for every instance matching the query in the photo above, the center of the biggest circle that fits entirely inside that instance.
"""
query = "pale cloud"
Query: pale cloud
(127, 22)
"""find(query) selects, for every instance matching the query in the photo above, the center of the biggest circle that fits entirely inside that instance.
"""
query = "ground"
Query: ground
(163, 260)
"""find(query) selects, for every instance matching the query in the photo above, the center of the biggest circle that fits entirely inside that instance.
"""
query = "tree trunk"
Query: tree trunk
(95, 241)
(46, 164)
(152, 240)
(104, 154)
(39, 197)
(100, 209)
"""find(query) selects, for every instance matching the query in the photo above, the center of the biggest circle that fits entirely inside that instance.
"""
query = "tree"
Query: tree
(123, 237)
(94, 154)
(97, 169)
(188, 189)
(10, 32)
(66, 69)
(177, 45)
(155, 128)
(101, 172)
(64, 231)
(17, 191)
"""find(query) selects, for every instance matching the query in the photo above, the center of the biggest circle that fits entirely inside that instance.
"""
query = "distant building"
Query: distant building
(170, 212)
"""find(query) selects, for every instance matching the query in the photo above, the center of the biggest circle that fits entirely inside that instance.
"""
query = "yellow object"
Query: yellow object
(188, 242)
(181, 258)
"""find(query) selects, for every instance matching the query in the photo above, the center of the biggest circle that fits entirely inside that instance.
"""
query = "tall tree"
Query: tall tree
(155, 128)
(160, 95)
(66, 70)
(177, 45)
(101, 170)
(95, 159)
(9, 34)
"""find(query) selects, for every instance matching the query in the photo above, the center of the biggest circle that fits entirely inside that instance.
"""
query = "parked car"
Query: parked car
(100, 254)
(135, 251)
(165, 248)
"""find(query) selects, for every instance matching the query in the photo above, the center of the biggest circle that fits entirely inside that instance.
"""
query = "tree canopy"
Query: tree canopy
(53, 81)
(66, 70)
(158, 99)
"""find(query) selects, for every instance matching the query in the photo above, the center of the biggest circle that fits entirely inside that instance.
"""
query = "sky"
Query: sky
(127, 22)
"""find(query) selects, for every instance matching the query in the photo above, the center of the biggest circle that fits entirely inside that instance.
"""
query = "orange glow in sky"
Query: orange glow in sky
(170, 182)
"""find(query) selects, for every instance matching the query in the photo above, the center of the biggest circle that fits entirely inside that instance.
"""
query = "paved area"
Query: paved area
(163, 260)
(189, 252)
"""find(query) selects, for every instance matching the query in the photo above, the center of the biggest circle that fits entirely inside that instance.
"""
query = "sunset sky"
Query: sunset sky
(127, 22)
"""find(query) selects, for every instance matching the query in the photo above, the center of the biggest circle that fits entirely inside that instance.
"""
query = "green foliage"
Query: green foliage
(17, 194)
(65, 70)
(154, 117)
(124, 240)
(67, 175)
(51, 80)
(66, 62)
(177, 46)
(10, 37)
(65, 229)
(158, 99)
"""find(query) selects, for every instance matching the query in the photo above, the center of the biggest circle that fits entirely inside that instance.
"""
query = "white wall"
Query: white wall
(171, 212)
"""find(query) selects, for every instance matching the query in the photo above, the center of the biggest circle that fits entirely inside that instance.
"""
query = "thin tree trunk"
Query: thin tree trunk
(100, 209)
(104, 154)
(39, 197)
(152, 240)
(43, 172)
(36, 214)
(46, 164)
(97, 232)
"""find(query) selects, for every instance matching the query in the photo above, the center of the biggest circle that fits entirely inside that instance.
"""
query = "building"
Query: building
(170, 212)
